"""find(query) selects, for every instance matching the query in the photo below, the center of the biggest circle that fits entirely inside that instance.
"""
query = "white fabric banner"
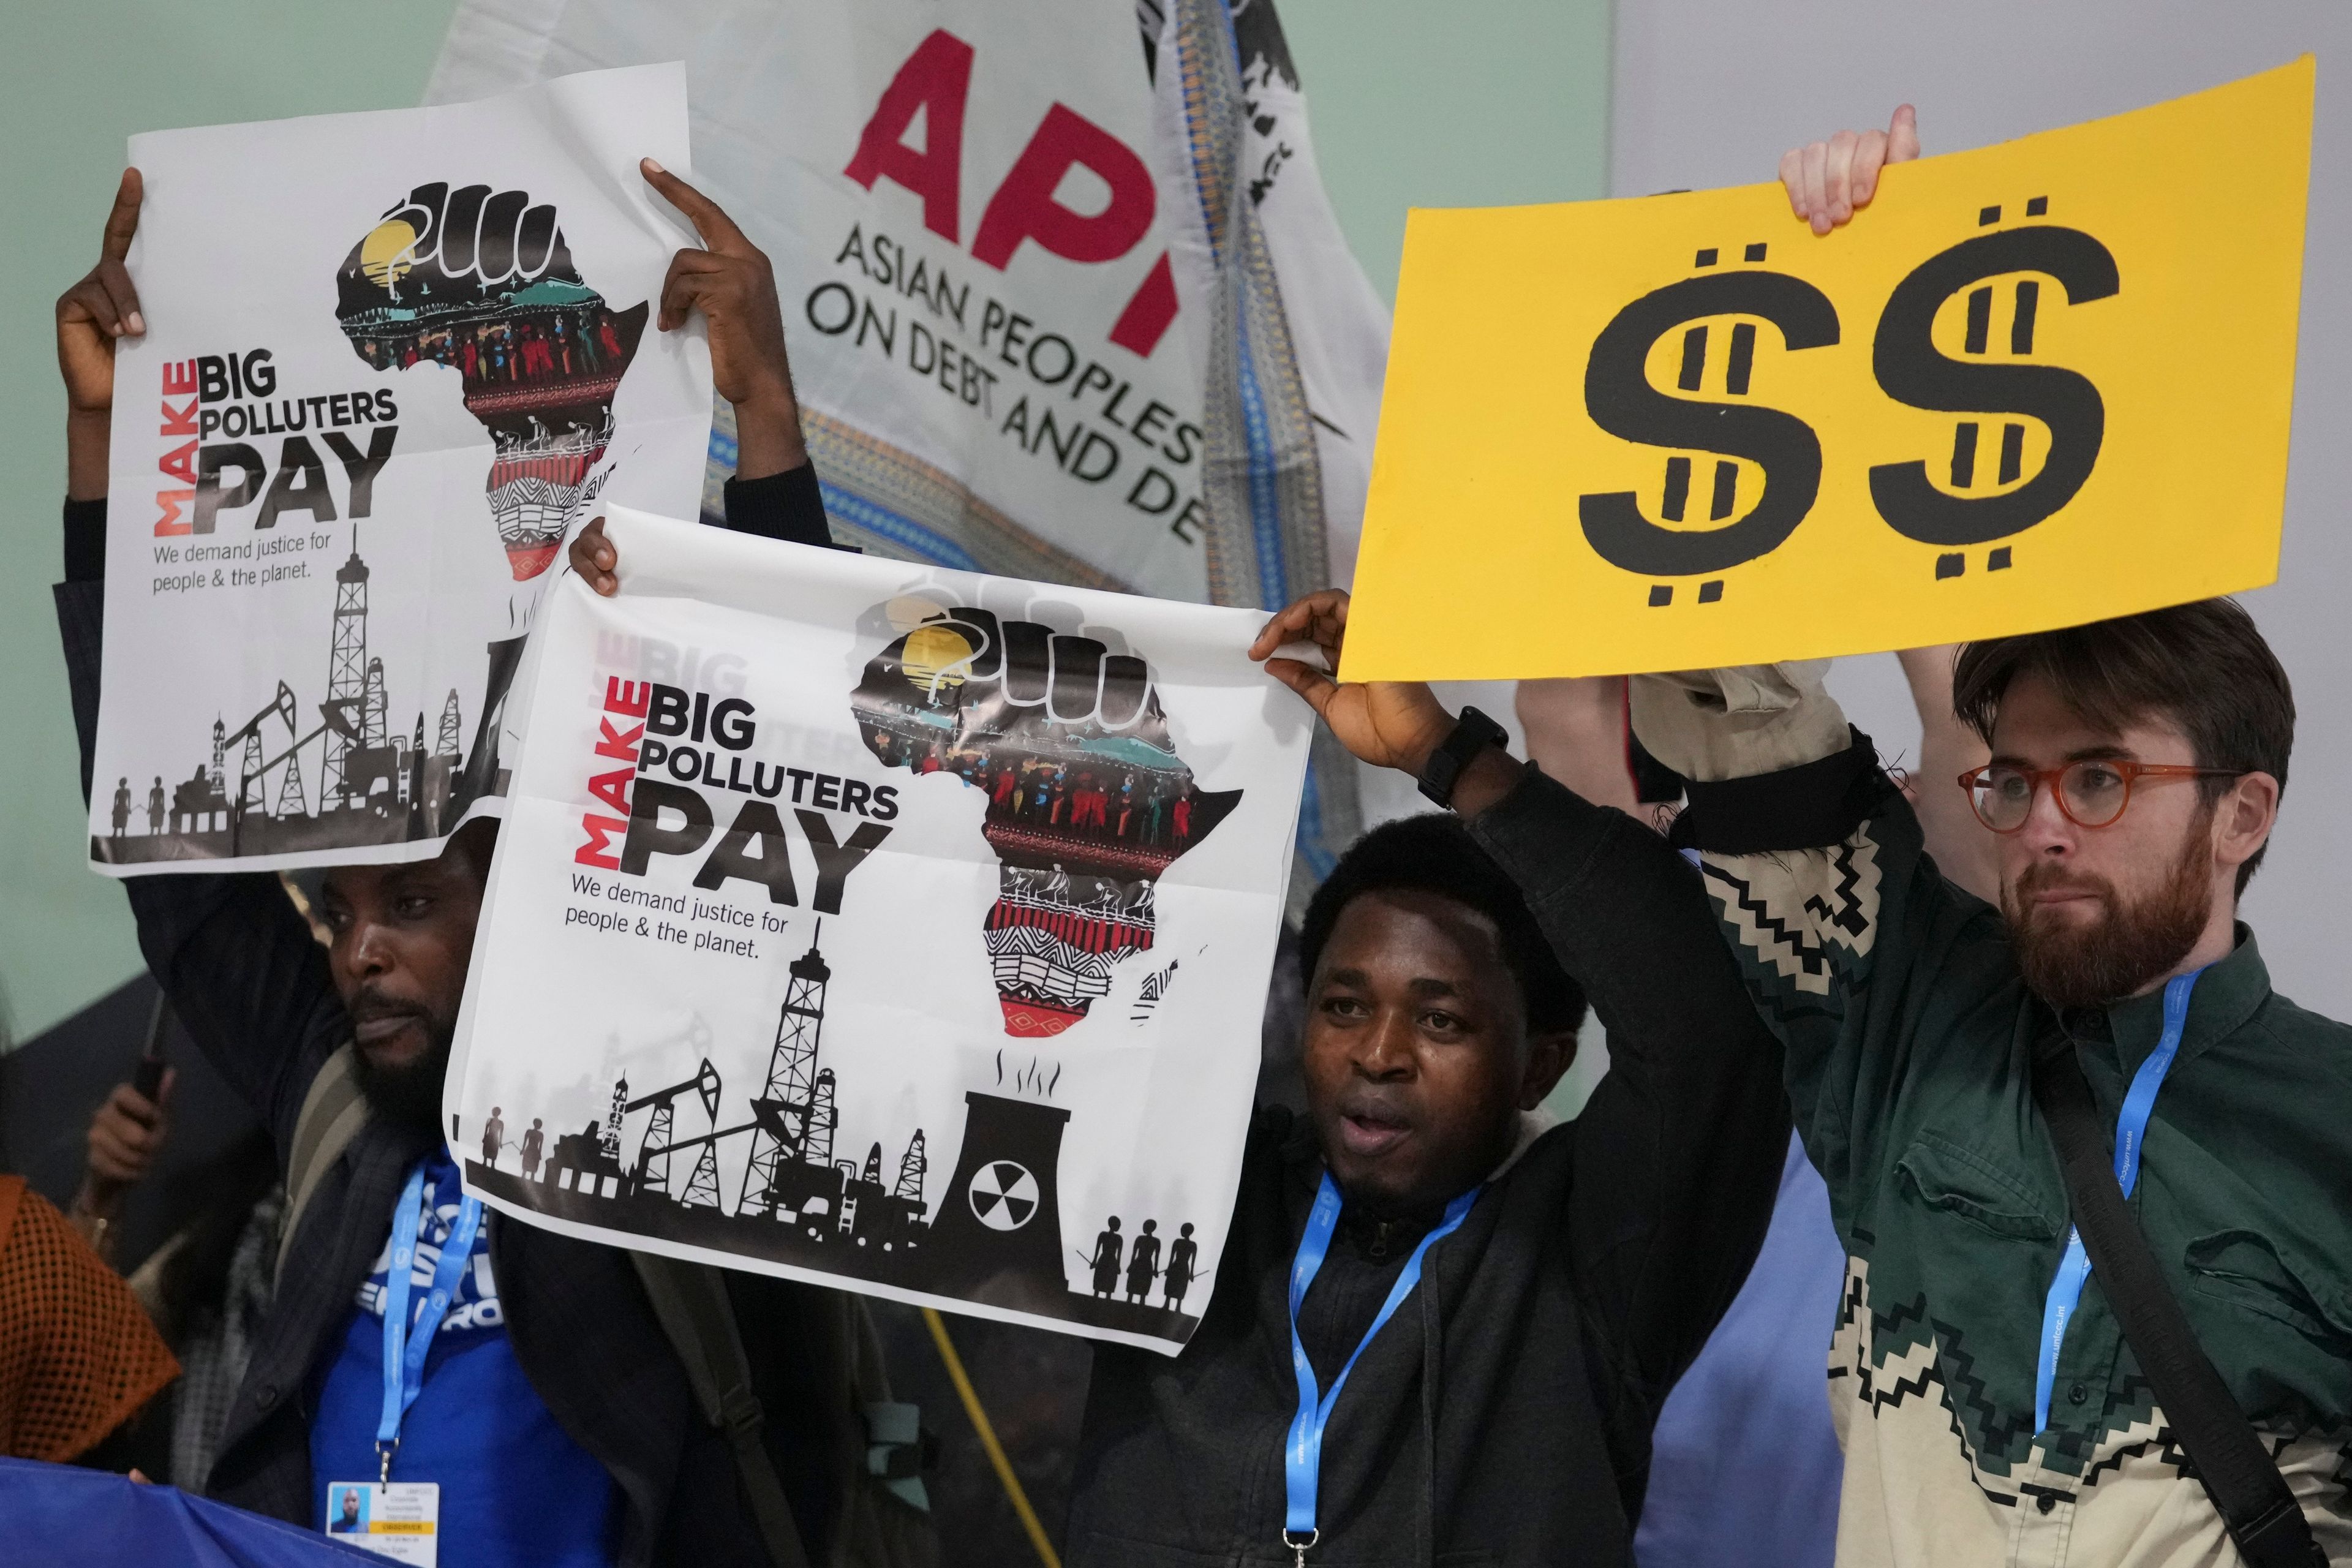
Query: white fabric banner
(991, 238)
(886, 926)
(391, 360)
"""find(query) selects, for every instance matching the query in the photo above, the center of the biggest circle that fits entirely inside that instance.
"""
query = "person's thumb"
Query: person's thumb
(1311, 683)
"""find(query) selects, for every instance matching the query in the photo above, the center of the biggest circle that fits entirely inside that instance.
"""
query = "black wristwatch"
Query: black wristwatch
(1472, 733)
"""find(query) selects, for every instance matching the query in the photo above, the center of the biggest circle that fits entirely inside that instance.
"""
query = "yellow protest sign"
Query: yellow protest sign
(2028, 386)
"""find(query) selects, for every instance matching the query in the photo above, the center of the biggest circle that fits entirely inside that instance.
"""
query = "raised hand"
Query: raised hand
(731, 283)
(92, 314)
(1828, 181)
(1388, 724)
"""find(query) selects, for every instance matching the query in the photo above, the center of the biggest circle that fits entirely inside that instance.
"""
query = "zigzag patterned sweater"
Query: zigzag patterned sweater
(1908, 1033)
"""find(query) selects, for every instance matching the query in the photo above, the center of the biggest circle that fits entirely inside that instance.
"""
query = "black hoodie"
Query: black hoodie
(1503, 1416)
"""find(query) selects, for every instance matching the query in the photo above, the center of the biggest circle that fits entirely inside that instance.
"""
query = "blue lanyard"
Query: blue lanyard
(404, 1350)
(1302, 1452)
(2131, 1130)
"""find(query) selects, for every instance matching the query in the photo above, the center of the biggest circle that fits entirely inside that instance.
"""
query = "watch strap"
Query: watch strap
(1472, 733)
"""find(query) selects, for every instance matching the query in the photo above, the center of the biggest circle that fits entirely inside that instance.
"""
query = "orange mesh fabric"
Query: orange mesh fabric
(77, 1355)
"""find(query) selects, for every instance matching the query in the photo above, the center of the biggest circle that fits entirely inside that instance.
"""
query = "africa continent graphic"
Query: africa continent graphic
(484, 284)
(1087, 802)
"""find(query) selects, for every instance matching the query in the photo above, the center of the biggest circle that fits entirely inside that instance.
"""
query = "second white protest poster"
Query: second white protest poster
(883, 925)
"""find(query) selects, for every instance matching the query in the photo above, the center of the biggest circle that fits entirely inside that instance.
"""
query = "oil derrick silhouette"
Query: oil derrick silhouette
(371, 706)
(609, 1144)
(900, 1217)
(660, 1141)
(795, 1198)
(436, 775)
(913, 1166)
(791, 1149)
(347, 677)
(997, 1237)
(290, 800)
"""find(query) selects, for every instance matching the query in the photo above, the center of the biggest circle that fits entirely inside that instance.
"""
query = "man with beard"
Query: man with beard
(1990, 1408)
(1992, 1412)
(548, 1406)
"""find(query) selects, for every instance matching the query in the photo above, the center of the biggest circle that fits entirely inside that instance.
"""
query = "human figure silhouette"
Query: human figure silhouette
(535, 1142)
(121, 806)
(1143, 1263)
(155, 805)
(1184, 1264)
(494, 1132)
(1108, 1247)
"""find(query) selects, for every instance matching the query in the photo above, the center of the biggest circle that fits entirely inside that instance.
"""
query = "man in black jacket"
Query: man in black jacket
(1499, 1410)
(564, 1399)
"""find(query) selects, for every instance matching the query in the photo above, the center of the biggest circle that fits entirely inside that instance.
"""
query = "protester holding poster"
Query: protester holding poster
(393, 359)
(2004, 1406)
(545, 1415)
(1483, 1311)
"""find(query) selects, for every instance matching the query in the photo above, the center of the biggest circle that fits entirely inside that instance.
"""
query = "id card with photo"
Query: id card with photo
(400, 1520)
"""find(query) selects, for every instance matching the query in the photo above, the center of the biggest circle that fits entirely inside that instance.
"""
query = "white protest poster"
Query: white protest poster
(885, 926)
(391, 360)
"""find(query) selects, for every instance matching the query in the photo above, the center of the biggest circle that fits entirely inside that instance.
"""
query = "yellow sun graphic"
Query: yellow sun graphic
(936, 657)
(387, 254)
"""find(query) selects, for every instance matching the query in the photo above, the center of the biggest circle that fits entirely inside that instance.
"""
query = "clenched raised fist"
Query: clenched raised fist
(1088, 801)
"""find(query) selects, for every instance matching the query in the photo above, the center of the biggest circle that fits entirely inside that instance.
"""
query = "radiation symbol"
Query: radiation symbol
(1002, 1195)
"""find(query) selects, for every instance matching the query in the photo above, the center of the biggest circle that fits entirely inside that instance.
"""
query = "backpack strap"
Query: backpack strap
(332, 1113)
(2235, 1467)
(691, 1302)
(897, 1450)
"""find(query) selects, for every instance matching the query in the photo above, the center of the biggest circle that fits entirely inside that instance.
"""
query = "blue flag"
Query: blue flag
(67, 1518)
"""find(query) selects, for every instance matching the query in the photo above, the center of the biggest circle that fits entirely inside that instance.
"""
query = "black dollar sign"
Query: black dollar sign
(1621, 400)
(1911, 370)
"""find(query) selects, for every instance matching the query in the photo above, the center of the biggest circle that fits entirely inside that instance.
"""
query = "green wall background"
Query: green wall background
(1478, 102)
(1468, 103)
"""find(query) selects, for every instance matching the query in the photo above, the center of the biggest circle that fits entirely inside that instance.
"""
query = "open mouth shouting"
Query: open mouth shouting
(1370, 1126)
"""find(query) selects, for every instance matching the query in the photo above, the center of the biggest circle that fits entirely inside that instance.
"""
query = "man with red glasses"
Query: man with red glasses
(1990, 1407)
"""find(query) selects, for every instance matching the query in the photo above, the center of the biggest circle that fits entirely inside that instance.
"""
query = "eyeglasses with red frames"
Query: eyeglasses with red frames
(2091, 792)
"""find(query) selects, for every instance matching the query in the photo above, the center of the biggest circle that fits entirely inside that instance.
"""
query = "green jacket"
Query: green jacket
(1909, 1033)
